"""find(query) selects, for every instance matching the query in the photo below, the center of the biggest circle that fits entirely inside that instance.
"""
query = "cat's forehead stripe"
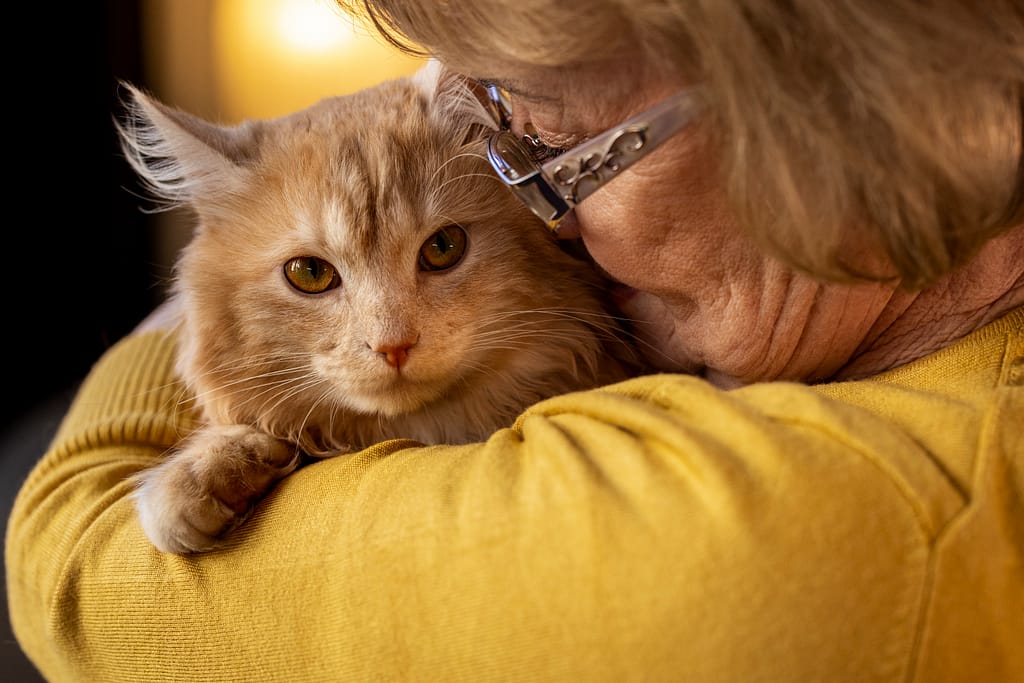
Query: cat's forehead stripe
(381, 185)
(384, 179)
(359, 198)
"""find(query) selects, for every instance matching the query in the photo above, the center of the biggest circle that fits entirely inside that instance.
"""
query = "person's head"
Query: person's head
(898, 120)
(850, 138)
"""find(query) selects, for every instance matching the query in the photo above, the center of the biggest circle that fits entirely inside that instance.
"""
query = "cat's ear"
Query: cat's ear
(455, 98)
(183, 158)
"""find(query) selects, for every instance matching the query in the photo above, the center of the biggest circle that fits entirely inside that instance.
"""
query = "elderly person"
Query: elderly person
(816, 214)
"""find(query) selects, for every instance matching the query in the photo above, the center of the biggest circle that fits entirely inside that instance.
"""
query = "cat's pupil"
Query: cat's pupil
(443, 249)
(442, 244)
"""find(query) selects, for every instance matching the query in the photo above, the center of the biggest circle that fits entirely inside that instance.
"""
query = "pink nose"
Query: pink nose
(395, 355)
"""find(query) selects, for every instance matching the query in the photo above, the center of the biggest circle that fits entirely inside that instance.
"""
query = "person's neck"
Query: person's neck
(915, 324)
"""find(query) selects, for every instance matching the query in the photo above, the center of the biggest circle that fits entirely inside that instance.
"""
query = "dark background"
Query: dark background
(80, 266)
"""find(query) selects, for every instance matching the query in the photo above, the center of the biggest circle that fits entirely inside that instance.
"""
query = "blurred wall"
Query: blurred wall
(77, 252)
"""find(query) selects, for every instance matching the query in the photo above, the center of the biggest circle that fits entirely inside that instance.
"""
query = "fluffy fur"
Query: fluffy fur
(361, 182)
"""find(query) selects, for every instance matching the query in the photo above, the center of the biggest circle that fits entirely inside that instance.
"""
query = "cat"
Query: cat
(356, 274)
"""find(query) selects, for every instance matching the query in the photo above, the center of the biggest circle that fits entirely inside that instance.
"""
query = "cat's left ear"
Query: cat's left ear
(455, 98)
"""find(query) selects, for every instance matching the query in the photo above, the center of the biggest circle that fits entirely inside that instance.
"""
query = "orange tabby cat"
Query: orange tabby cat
(356, 274)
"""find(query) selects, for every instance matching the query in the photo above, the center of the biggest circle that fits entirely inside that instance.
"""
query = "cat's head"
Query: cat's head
(360, 258)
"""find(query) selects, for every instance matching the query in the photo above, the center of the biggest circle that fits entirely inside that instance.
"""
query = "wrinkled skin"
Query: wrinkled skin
(707, 298)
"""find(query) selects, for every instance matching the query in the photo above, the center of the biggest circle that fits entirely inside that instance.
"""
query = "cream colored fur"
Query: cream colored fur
(360, 181)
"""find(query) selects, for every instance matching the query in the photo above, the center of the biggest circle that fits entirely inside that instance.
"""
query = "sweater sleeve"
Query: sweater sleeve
(657, 529)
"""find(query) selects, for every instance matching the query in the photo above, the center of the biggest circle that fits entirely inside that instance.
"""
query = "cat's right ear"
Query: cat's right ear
(182, 158)
(454, 98)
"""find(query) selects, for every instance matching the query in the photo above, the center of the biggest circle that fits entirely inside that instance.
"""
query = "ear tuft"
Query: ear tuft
(181, 158)
(453, 96)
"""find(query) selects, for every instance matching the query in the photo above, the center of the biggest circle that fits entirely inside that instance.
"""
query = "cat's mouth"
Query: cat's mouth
(396, 396)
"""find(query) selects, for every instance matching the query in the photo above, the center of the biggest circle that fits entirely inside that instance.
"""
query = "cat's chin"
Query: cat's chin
(393, 401)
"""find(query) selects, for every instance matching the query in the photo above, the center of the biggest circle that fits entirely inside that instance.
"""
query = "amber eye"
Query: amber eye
(311, 274)
(443, 249)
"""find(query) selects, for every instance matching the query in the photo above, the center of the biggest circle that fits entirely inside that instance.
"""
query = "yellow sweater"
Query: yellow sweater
(659, 529)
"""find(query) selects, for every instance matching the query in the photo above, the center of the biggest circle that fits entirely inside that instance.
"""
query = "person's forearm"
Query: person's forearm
(126, 414)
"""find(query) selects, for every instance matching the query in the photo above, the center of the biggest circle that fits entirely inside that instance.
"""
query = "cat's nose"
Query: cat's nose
(395, 355)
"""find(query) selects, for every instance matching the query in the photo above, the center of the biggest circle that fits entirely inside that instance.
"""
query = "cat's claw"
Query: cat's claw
(208, 487)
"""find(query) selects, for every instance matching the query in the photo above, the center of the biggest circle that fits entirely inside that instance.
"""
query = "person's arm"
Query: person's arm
(660, 529)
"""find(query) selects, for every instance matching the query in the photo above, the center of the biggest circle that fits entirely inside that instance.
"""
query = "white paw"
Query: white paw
(208, 487)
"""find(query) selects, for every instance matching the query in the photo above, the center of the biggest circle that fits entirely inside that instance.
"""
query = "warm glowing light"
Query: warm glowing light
(312, 26)
(273, 57)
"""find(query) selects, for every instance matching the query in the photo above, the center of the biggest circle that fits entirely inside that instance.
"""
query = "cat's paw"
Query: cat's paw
(208, 487)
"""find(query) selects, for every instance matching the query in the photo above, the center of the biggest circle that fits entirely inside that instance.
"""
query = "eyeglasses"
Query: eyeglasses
(551, 186)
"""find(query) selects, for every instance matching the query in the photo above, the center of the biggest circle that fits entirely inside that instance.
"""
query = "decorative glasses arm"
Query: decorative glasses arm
(576, 174)
(554, 188)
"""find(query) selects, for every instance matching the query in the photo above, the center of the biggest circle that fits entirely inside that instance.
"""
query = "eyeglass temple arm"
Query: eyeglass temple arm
(576, 174)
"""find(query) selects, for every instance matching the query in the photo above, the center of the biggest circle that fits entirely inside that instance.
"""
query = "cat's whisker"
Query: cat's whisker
(490, 176)
(617, 331)
(607, 326)
(480, 368)
(252, 380)
(527, 328)
(558, 310)
(592, 319)
(266, 359)
(525, 333)
(242, 391)
(541, 327)
(333, 413)
(287, 393)
(259, 360)
(315, 404)
(268, 373)
(525, 340)
(461, 155)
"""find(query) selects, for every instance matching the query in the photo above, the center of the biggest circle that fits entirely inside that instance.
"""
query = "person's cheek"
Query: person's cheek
(608, 224)
(596, 223)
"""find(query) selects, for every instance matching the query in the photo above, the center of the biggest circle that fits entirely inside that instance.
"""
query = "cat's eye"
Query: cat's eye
(443, 249)
(311, 274)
